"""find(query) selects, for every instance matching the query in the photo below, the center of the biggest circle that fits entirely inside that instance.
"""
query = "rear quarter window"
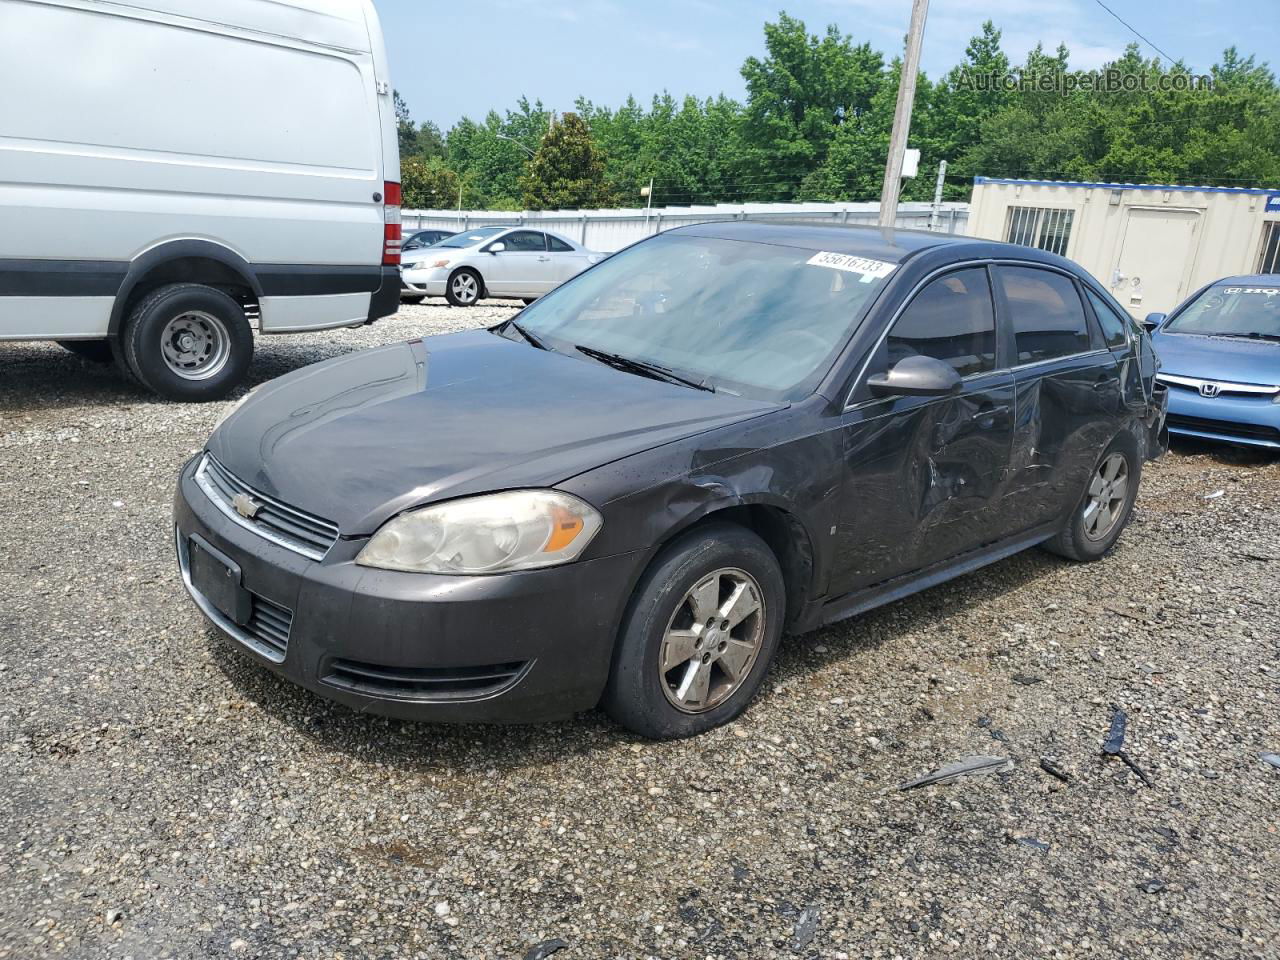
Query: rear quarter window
(1046, 314)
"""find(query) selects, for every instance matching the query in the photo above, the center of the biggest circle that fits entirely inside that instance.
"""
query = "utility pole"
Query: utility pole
(935, 214)
(902, 116)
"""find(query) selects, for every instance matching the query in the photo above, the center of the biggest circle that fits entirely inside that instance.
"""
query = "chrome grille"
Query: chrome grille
(301, 532)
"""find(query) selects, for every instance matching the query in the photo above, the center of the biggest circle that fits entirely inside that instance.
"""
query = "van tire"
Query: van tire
(94, 351)
(461, 298)
(213, 356)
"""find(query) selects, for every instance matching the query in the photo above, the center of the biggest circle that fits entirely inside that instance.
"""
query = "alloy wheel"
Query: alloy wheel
(1108, 493)
(465, 288)
(712, 640)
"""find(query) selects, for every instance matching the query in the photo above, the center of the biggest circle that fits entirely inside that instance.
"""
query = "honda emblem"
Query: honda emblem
(1210, 390)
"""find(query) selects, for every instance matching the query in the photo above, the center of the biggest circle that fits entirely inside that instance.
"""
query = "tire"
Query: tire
(1082, 539)
(639, 695)
(94, 351)
(465, 288)
(528, 300)
(415, 299)
(186, 341)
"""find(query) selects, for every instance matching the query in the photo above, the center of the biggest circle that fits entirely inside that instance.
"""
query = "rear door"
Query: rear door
(1069, 402)
(567, 261)
(523, 269)
(924, 475)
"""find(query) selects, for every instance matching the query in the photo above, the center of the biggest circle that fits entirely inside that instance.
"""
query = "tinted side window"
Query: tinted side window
(1046, 312)
(526, 241)
(951, 320)
(556, 245)
(1114, 327)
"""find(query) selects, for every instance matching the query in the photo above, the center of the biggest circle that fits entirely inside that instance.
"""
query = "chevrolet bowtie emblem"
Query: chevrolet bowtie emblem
(245, 505)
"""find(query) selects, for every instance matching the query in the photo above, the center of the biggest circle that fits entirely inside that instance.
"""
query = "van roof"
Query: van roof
(341, 24)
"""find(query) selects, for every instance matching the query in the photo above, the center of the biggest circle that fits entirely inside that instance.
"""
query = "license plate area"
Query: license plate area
(218, 578)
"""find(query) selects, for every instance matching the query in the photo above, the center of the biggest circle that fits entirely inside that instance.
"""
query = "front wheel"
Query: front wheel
(464, 288)
(1107, 505)
(186, 341)
(698, 636)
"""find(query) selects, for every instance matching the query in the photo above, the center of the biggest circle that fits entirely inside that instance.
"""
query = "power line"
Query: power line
(1135, 32)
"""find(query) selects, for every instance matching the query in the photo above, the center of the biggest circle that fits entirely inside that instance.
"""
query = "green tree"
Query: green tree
(567, 171)
(799, 97)
(428, 184)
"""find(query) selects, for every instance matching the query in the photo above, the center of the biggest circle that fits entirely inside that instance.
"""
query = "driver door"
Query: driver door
(523, 269)
(924, 476)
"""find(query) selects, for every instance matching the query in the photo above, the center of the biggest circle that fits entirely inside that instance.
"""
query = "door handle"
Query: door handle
(543, 259)
(990, 413)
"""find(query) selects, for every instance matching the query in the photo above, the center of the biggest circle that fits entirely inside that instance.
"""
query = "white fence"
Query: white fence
(610, 230)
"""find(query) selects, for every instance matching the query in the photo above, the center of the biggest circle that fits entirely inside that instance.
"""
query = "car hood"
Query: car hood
(361, 438)
(1219, 358)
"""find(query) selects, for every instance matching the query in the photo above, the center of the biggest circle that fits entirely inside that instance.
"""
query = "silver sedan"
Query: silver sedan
(511, 262)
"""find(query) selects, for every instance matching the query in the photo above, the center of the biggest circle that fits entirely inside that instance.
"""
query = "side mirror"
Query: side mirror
(917, 376)
(497, 247)
(1153, 321)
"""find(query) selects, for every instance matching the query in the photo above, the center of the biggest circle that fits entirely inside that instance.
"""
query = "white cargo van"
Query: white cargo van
(176, 172)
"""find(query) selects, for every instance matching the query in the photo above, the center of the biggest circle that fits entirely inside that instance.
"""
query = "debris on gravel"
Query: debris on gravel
(164, 797)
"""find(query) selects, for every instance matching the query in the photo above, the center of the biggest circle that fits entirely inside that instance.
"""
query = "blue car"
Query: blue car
(1220, 358)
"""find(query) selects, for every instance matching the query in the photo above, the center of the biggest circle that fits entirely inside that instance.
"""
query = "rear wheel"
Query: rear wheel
(699, 634)
(1107, 504)
(464, 288)
(95, 351)
(186, 341)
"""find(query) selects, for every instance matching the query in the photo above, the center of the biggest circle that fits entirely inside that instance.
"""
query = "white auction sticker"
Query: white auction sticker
(871, 270)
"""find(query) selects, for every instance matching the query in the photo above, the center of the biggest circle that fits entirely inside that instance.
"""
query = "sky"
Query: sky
(465, 57)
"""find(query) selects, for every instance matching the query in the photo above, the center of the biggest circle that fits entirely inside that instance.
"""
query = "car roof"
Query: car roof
(889, 244)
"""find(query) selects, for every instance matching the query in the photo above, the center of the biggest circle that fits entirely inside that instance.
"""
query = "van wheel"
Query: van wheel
(186, 341)
(1107, 504)
(95, 351)
(464, 288)
(698, 635)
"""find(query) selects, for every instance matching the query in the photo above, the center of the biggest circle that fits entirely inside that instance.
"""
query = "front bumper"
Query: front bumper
(517, 647)
(423, 283)
(1227, 418)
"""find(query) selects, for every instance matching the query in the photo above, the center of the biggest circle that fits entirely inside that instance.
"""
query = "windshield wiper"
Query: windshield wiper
(530, 338)
(642, 367)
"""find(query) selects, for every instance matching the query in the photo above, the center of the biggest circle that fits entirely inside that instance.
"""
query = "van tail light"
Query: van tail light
(391, 229)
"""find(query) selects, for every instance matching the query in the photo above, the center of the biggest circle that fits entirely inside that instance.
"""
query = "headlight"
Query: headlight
(494, 533)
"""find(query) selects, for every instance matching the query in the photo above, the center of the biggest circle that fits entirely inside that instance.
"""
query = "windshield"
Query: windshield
(1244, 311)
(741, 316)
(470, 238)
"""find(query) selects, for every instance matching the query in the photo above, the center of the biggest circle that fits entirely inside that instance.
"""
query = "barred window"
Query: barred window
(1269, 262)
(1048, 228)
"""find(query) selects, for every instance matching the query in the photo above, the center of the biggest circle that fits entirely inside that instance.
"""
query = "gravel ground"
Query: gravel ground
(163, 797)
